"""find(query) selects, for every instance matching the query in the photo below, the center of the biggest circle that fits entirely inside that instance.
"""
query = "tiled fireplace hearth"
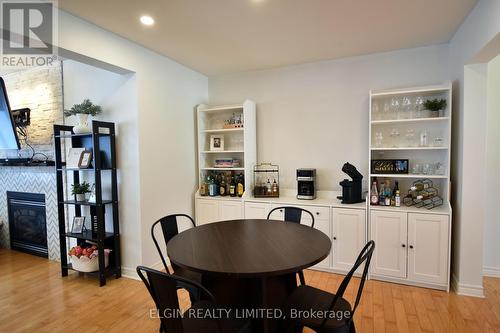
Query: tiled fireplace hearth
(41, 180)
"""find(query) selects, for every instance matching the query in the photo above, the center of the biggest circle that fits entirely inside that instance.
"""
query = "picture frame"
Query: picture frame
(92, 197)
(78, 225)
(217, 142)
(85, 159)
(73, 158)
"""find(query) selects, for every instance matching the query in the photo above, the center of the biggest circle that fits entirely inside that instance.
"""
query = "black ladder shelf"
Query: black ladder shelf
(102, 144)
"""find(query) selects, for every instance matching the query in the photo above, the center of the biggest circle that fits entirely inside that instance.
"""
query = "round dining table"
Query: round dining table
(250, 263)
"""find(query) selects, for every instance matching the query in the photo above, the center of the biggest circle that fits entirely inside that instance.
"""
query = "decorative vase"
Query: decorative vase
(80, 197)
(83, 124)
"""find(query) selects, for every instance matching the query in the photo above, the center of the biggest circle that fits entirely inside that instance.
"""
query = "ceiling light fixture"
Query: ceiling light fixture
(147, 20)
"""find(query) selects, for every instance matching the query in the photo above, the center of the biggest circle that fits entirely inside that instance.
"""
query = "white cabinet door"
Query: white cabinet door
(389, 231)
(256, 210)
(230, 210)
(207, 211)
(348, 237)
(428, 248)
(322, 223)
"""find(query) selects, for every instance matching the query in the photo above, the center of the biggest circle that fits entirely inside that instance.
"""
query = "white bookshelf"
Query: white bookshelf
(239, 143)
(397, 129)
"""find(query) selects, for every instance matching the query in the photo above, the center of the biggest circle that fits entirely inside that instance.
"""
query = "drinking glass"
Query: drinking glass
(406, 106)
(375, 110)
(395, 107)
(410, 137)
(387, 109)
(438, 141)
(416, 169)
(379, 139)
(419, 106)
(395, 137)
(440, 169)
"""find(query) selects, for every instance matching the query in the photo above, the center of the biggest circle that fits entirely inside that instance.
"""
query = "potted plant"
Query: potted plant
(434, 106)
(79, 190)
(82, 112)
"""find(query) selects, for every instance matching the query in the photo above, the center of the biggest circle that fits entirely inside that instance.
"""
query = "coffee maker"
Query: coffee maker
(351, 189)
(306, 184)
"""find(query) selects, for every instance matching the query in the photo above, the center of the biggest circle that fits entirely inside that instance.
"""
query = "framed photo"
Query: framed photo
(74, 157)
(389, 167)
(78, 224)
(92, 198)
(85, 159)
(216, 142)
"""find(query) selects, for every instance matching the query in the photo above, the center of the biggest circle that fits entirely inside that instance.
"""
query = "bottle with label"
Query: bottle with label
(212, 187)
(204, 187)
(240, 188)
(232, 187)
(374, 194)
(397, 199)
(222, 187)
(381, 198)
(269, 187)
(275, 187)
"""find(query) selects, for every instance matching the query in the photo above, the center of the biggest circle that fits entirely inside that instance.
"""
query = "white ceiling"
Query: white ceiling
(224, 36)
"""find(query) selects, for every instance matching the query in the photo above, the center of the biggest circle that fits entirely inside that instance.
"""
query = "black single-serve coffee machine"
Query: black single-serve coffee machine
(351, 189)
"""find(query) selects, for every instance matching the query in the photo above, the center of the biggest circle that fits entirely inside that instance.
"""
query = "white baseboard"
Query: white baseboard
(466, 289)
(131, 273)
(491, 271)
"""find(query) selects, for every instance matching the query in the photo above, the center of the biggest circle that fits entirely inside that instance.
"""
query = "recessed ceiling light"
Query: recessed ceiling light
(147, 20)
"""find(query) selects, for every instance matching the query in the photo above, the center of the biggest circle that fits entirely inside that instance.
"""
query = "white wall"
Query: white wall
(117, 94)
(481, 26)
(316, 115)
(166, 95)
(492, 202)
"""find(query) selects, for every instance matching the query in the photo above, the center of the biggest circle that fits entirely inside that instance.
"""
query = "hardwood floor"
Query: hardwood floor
(33, 297)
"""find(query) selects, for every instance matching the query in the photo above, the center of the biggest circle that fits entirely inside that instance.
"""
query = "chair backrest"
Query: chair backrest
(169, 228)
(292, 214)
(365, 256)
(163, 289)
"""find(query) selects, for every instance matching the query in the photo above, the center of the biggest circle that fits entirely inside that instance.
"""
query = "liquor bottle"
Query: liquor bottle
(212, 187)
(397, 199)
(204, 187)
(240, 188)
(232, 187)
(396, 186)
(269, 187)
(275, 188)
(381, 199)
(374, 194)
(222, 187)
(388, 192)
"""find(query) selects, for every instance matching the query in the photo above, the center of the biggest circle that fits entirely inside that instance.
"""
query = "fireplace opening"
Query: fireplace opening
(27, 223)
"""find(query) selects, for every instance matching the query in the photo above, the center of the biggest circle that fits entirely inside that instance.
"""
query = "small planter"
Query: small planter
(86, 265)
(80, 197)
(83, 124)
(433, 114)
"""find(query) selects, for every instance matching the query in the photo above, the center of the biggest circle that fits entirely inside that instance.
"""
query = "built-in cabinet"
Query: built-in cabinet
(215, 210)
(410, 247)
(348, 235)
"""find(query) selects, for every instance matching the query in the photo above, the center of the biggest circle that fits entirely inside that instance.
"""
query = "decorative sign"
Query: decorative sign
(389, 167)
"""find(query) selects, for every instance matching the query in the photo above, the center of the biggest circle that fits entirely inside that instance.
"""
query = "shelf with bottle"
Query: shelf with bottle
(409, 136)
(217, 182)
(421, 193)
(230, 120)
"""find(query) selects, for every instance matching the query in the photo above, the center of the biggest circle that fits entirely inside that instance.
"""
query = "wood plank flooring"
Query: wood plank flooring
(33, 297)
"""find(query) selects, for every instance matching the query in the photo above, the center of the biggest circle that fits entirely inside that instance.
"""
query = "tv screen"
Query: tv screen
(8, 134)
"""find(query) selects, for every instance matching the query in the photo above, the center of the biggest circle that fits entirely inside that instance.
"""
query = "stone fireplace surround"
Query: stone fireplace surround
(35, 179)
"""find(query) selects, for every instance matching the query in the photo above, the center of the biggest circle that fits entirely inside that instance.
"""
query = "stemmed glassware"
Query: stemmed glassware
(395, 106)
(419, 106)
(406, 107)
(395, 137)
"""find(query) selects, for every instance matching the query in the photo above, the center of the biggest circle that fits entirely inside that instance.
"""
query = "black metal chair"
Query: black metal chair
(339, 312)
(169, 227)
(293, 215)
(163, 289)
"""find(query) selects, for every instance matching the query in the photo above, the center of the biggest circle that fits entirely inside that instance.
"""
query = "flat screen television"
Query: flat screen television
(8, 134)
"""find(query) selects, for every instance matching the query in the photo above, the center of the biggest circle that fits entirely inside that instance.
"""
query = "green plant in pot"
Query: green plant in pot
(79, 190)
(82, 112)
(435, 106)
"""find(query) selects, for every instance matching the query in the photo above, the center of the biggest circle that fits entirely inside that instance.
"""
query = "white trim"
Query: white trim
(466, 289)
(491, 271)
(131, 273)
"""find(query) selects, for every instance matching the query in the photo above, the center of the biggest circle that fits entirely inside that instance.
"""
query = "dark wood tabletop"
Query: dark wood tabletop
(249, 248)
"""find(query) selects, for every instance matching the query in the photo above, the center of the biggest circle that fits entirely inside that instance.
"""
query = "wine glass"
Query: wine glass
(419, 106)
(395, 137)
(375, 110)
(395, 106)
(406, 107)
(387, 109)
(410, 137)
(379, 139)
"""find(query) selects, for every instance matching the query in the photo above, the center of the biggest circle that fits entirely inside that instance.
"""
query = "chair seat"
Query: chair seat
(306, 298)
(209, 325)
